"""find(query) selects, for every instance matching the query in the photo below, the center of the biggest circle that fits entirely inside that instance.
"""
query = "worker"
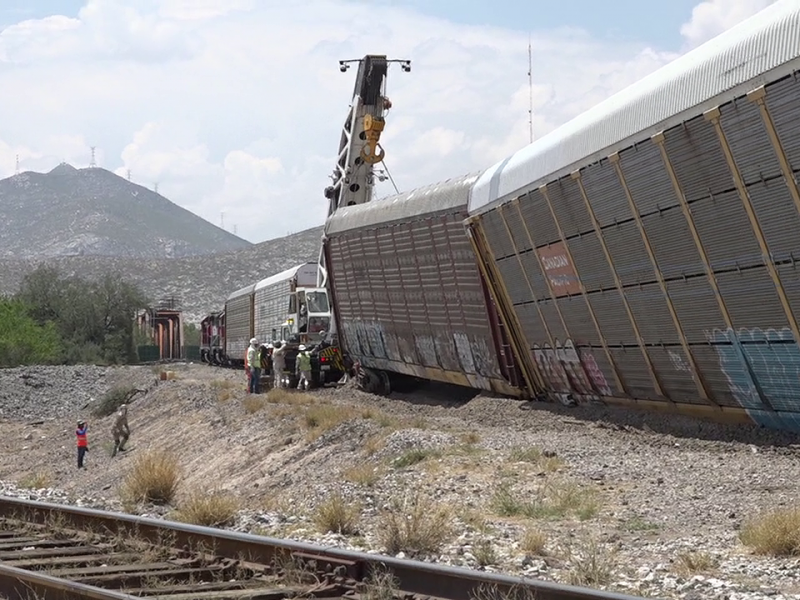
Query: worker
(303, 368)
(279, 362)
(120, 430)
(254, 363)
(83, 442)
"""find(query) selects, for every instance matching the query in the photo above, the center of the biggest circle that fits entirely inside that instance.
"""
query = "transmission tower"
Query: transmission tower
(235, 228)
(129, 174)
(155, 187)
(17, 167)
(222, 219)
(93, 163)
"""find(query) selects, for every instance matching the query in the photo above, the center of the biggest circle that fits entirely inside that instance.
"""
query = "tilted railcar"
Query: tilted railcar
(239, 323)
(647, 250)
(410, 300)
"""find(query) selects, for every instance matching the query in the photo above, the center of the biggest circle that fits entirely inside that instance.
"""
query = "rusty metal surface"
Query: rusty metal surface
(736, 314)
(409, 293)
(413, 577)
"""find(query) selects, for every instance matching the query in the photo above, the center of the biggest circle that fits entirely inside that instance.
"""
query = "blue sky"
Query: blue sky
(655, 21)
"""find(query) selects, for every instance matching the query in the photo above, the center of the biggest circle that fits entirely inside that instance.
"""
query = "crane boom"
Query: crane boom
(353, 175)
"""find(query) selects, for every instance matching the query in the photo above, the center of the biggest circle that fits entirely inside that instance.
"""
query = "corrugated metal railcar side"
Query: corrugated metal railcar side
(239, 322)
(662, 268)
(409, 296)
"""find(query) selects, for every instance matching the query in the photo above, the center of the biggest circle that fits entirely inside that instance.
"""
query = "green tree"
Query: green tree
(191, 334)
(95, 318)
(22, 339)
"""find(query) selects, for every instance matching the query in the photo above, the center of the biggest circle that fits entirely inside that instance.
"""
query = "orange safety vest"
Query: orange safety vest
(82, 441)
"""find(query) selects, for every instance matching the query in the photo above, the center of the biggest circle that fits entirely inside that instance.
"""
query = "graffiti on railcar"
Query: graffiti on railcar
(760, 364)
(476, 356)
(679, 362)
(569, 371)
(559, 269)
(426, 348)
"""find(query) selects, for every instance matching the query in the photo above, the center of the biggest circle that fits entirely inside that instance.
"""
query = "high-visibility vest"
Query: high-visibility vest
(82, 441)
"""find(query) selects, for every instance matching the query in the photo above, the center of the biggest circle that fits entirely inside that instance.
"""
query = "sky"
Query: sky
(235, 107)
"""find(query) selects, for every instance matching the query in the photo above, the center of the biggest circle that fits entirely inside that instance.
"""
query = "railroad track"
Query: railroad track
(58, 552)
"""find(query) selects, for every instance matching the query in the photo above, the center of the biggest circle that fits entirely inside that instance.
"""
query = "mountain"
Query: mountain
(93, 212)
(200, 283)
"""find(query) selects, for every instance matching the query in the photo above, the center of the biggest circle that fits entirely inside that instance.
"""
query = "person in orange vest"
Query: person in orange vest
(83, 442)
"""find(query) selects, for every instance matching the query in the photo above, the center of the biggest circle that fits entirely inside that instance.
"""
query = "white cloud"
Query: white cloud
(237, 106)
(712, 17)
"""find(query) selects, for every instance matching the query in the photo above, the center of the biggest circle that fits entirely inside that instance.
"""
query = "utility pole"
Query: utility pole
(530, 90)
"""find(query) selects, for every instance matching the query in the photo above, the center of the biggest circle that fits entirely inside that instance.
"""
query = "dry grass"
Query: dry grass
(775, 532)
(554, 499)
(547, 462)
(154, 477)
(223, 389)
(414, 525)
(380, 585)
(253, 403)
(324, 417)
(337, 515)
(493, 592)
(364, 474)
(470, 437)
(211, 509)
(412, 457)
(533, 542)
(374, 444)
(36, 480)
(692, 563)
(590, 563)
(289, 397)
(484, 552)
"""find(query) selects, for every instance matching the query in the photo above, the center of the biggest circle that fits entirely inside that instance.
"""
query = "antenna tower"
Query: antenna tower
(155, 187)
(222, 219)
(530, 90)
(17, 167)
(235, 229)
(93, 162)
(129, 174)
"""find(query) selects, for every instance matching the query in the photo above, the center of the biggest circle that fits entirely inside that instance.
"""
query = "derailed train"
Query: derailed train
(645, 253)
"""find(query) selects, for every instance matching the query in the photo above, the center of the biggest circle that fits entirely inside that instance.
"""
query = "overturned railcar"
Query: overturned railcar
(410, 300)
(647, 250)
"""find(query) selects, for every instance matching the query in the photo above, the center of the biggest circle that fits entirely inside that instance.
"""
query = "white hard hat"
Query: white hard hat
(302, 348)
(254, 341)
(270, 345)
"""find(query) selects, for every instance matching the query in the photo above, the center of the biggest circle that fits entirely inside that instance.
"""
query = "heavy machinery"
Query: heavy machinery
(354, 174)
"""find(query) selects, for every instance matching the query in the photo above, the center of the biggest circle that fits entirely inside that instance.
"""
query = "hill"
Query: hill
(93, 212)
(201, 283)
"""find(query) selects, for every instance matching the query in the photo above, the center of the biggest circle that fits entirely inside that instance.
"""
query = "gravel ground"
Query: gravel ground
(653, 503)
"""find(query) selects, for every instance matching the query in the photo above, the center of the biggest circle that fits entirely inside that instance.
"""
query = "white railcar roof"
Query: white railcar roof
(282, 276)
(761, 49)
(430, 198)
(241, 292)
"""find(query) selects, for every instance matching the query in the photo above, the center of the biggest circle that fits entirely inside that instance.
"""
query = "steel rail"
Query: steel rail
(21, 584)
(412, 576)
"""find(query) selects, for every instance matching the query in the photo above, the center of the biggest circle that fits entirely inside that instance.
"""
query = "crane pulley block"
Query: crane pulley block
(373, 152)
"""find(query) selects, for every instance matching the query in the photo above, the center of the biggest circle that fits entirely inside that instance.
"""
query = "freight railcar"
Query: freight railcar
(647, 251)
(410, 300)
(239, 323)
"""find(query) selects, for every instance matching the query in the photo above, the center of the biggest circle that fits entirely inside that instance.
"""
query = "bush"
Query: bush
(210, 509)
(23, 340)
(113, 399)
(337, 515)
(776, 532)
(415, 525)
(153, 478)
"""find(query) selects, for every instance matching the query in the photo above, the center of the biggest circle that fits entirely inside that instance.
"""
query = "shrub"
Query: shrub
(337, 515)
(211, 509)
(154, 478)
(775, 532)
(414, 525)
(112, 400)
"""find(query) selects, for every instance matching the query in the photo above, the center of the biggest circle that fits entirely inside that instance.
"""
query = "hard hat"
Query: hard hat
(270, 345)
(254, 341)
(302, 348)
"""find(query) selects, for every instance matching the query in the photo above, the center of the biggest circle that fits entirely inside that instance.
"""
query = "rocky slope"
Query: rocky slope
(644, 503)
(200, 283)
(93, 212)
